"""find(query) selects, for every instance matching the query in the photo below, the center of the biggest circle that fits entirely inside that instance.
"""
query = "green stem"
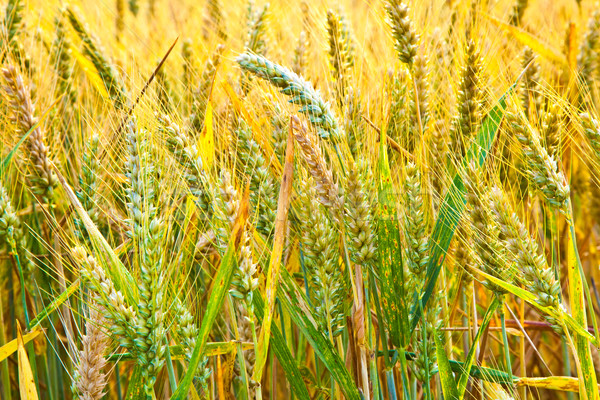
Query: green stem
(505, 337)
(170, 371)
(389, 375)
(6, 394)
(404, 372)
(13, 248)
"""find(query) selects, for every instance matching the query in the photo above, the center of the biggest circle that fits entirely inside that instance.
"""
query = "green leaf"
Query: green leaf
(57, 302)
(391, 269)
(135, 390)
(483, 373)
(464, 376)
(296, 306)
(446, 375)
(559, 315)
(453, 206)
(285, 358)
(577, 285)
(220, 288)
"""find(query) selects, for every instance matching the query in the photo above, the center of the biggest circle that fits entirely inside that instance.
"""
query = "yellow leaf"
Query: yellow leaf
(26, 382)
(12, 346)
(207, 138)
(529, 40)
(90, 71)
(564, 383)
(275, 261)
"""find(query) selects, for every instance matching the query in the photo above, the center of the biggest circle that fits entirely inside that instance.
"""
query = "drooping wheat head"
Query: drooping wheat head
(301, 92)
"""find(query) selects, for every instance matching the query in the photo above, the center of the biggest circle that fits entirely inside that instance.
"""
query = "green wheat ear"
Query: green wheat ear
(301, 92)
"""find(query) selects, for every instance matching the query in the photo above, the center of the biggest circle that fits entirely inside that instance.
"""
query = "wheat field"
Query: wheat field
(299, 199)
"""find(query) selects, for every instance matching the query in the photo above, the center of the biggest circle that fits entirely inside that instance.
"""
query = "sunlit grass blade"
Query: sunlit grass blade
(12, 346)
(57, 302)
(219, 290)
(562, 383)
(27, 387)
(577, 301)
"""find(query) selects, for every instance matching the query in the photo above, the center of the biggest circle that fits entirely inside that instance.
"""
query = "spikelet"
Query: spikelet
(148, 233)
(105, 68)
(263, 188)
(463, 251)
(327, 190)
(529, 85)
(165, 92)
(341, 51)
(88, 184)
(214, 20)
(438, 143)
(11, 233)
(398, 111)
(405, 38)
(300, 91)
(63, 65)
(425, 363)
(43, 180)
(489, 250)
(119, 315)
(89, 380)
(186, 152)
(119, 19)
(189, 70)
(419, 102)
(466, 122)
(543, 169)
(187, 330)
(591, 129)
(202, 92)
(256, 41)
(358, 219)
(300, 54)
(414, 224)
(551, 129)
(538, 276)
(134, 7)
(280, 129)
(11, 31)
(320, 249)
(516, 15)
(354, 125)
(226, 205)
(588, 51)
(13, 21)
